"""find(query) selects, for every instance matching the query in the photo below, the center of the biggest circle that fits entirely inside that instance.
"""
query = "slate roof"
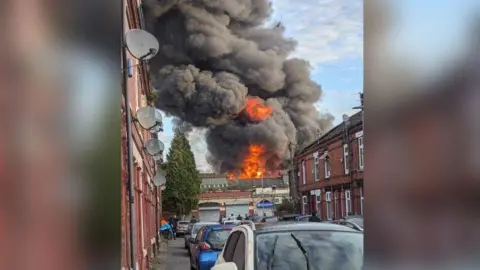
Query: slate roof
(355, 121)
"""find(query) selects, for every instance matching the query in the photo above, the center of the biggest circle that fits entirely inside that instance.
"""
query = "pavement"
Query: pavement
(172, 256)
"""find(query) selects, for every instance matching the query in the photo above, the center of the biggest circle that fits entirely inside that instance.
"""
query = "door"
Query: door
(236, 209)
(194, 248)
(210, 214)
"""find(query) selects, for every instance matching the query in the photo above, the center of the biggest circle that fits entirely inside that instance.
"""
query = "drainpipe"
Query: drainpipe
(129, 139)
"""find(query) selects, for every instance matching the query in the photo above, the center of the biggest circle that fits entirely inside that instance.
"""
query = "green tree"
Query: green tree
(183, 179)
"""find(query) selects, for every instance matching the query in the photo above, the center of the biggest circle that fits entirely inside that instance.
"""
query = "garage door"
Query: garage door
(268, 211)
(209, 214)
(236, 209)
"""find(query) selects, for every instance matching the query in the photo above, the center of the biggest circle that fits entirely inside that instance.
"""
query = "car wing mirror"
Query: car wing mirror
(225, 266)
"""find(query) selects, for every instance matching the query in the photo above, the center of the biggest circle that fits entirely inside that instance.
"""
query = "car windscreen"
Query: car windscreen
(217, 238)
(326, 250)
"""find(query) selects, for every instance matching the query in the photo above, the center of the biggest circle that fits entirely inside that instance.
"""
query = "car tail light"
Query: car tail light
(204, 246)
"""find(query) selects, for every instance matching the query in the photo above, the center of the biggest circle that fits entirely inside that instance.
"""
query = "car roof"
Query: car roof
(220, 227)
(301, 226)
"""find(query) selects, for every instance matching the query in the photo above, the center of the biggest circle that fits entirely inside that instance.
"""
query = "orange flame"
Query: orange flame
(256, 110)
(253, 165)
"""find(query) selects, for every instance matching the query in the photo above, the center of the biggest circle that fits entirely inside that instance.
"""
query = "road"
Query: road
(177, 255)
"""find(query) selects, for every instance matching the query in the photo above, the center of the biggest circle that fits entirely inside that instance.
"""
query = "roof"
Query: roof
(300, 226)
(233, 194)
(355, 121)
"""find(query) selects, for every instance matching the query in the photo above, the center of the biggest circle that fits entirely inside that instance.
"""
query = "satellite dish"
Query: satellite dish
(154, 147)
(159, 178)
(141, 44)
(345, 118)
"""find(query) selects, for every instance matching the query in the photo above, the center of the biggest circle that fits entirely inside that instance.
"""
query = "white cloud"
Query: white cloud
(339, 102)
(326, 30)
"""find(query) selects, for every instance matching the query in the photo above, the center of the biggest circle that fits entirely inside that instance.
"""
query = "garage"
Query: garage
(209, 212)
(236, 208)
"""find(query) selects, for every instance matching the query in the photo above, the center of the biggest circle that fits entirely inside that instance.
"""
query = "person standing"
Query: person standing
(314, 217)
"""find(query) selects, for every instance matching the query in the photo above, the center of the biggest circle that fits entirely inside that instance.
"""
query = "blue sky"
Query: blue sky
(330, 36)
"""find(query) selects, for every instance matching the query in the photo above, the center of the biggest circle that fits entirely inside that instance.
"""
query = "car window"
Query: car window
(217, 238)
(239, 255)
(199, 235)
(230, 246)
(280, 251)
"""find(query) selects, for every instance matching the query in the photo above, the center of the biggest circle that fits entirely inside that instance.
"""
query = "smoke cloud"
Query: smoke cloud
(213, 55)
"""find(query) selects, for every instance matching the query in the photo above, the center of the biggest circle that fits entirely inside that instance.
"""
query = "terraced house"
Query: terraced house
(329, 172)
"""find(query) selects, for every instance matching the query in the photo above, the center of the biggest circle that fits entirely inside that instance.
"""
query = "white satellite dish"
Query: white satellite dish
(160, 178)
(141, 44)
(345, 118)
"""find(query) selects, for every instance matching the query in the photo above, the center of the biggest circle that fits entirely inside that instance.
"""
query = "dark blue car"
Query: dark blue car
(207, 245)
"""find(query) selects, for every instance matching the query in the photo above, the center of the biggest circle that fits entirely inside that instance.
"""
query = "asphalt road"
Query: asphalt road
(177, 255)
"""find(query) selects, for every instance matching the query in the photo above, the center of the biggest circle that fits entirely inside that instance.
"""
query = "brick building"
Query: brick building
(329, 172)
(139, 89)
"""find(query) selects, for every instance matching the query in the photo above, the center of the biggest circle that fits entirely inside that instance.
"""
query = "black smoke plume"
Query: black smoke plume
(213, 54)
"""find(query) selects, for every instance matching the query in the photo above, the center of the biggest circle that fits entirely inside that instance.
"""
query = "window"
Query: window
(230, 246)
(327, 165)
(304, 180)
(360, 153)
(239, 255)
(315, 167)
(325, 249)
(318, 200)
(328, 199)
(361, 200)
(345, 158)
(304, 204)
(348, 202)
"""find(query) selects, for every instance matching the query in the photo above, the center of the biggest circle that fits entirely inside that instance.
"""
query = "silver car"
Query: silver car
(193, 232)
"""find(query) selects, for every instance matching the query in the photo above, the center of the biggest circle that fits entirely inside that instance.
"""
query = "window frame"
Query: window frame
(327, 165)
(345, 159)
(304, 173)
(361, 159)
(328, 200)
(315, 167)
(348, 202)
(318, 202)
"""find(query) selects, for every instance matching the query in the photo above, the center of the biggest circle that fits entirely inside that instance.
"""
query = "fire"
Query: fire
(256, 110)
(253, 165)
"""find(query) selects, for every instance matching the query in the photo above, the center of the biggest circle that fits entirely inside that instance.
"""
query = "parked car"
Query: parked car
(232, 222)
(193, 232)
(356, 219)
(269, 219)
(291, 217)
(305, 218)
(314, 246)
(347, 223)
(209, 242)
(182, 227)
